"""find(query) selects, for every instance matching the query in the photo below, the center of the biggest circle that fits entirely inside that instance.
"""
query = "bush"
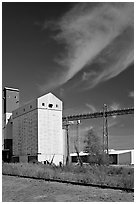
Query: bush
(93, 146)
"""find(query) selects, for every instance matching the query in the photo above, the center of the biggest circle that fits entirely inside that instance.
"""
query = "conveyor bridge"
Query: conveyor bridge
(98, 114)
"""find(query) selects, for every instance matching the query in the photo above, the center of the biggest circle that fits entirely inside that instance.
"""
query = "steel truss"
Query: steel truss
(98, 114)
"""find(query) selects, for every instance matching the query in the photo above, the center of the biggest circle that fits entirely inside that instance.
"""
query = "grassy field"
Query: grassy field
(103, 175)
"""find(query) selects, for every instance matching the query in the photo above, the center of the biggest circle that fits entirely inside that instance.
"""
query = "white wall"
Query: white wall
(50, 136)
(132, 156)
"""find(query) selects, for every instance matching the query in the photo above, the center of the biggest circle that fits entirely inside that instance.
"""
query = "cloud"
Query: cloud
(112, 123)
(91, 107)
(114, 106)
(98, 39)
(86, 129)
(131, 94)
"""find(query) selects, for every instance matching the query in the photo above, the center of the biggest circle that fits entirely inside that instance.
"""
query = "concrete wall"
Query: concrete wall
(50, 136)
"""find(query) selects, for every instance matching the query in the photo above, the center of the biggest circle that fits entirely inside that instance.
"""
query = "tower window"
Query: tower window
(56, 105)
(50, 105)
(43, 104)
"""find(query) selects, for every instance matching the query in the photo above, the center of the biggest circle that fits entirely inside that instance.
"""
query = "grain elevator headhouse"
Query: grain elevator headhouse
(50, 138)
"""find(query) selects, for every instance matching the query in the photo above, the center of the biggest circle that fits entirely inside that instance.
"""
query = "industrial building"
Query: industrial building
(34, 132)
(122, 157)
(35, 128)
(10, 103)
(118, 157)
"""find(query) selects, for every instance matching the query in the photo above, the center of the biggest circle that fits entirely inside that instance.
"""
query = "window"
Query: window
(56, 105)
(24, 109)
(43, 104)
(50, 105)
(15, 96)
(30, 106)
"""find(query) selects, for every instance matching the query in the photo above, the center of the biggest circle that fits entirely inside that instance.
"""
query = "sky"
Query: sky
(81, 52)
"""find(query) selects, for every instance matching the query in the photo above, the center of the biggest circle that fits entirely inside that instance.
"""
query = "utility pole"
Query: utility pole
(105, 130)
(77, 137)
(67, 158)
(76, 142)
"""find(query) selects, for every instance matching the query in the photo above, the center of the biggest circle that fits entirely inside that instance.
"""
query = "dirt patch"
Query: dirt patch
(16, 189)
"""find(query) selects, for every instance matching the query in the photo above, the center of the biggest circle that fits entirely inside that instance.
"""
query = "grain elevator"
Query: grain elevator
(37, 131)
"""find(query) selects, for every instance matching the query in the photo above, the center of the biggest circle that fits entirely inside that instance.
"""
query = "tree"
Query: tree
(93, 146)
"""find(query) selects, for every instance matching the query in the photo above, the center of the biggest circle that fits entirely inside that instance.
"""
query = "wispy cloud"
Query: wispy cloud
(86, 128)
(91, 108)
(114, 106)
(98, 39)
(112, 123)
(131, 94)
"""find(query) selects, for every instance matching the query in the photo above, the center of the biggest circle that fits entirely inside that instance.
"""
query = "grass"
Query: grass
(102, 175)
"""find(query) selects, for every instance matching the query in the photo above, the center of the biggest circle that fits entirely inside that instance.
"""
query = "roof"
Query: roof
(119, 151)
(80, 154)
(12, 89)
(111, 151)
